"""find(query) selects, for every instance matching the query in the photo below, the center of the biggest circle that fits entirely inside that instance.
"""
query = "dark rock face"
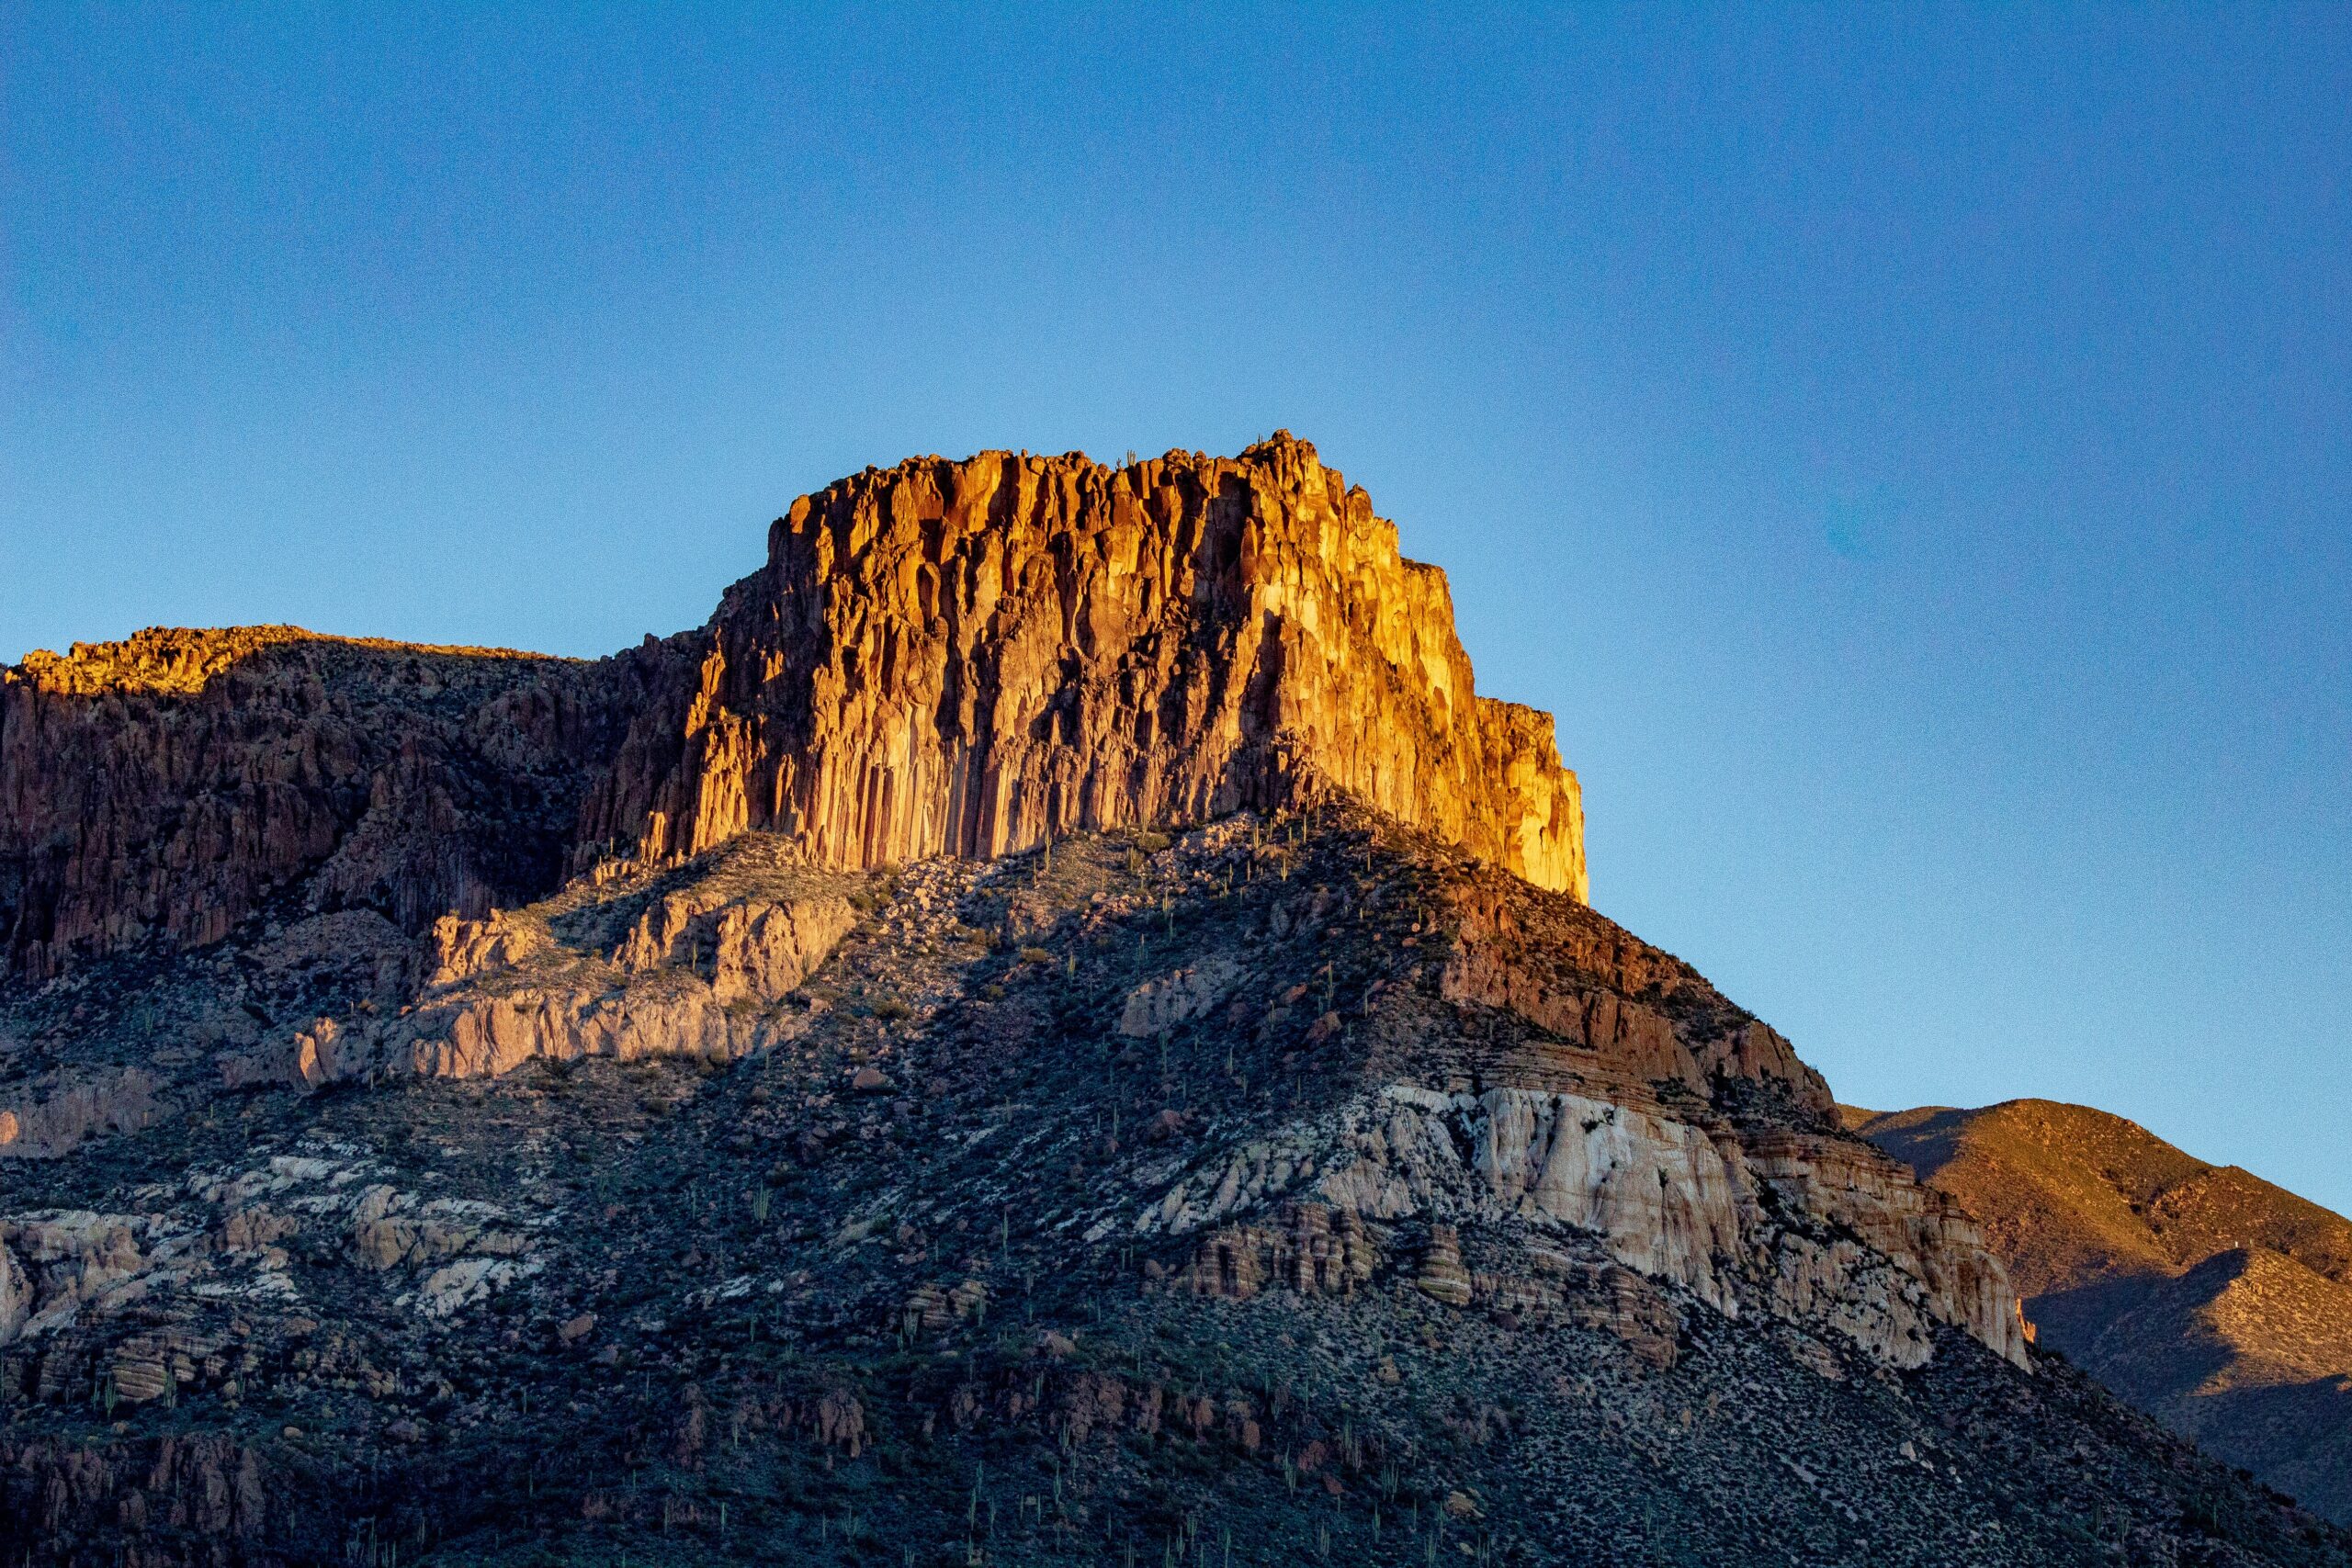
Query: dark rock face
(167, 1501)
(163, 789)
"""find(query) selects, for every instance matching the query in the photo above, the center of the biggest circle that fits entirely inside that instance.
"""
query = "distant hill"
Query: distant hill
(2211, 1298)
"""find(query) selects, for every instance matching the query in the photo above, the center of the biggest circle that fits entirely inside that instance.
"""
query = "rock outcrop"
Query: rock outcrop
(1157, 1006)
(1811, 1227)
(163, 789)
(52, 1115)
(700, 971)
(1308, 1247)
(751, 950)
(965, 657)
(968, 657)
(1881, 1253)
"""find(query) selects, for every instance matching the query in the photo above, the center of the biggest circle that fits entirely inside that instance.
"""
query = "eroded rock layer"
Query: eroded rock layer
(165, 788)
(944, 657)
(969, 657)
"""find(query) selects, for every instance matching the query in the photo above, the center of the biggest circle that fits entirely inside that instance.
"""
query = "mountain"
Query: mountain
(940, 658)
(2205, 1295)
(1057, 1027)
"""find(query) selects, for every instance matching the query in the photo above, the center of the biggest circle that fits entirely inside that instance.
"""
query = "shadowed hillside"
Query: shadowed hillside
(2201, 1293)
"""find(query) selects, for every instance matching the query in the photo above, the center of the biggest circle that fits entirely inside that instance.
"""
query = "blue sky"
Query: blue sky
(1910, 449)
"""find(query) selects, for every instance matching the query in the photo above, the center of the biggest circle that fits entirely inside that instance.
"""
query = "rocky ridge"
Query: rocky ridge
(946, 656)
(2207, 1296)
(163, 790)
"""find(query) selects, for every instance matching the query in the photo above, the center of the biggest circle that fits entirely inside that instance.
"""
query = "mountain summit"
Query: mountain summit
(969, 658)
(1057, 1028)
(962, 658)
(2202, 1294)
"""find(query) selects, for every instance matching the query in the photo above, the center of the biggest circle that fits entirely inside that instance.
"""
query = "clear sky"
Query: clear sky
(1910, 449)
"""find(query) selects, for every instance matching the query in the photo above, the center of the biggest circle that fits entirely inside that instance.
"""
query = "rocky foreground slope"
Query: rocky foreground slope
(2202, 1294)
(1059, 1029)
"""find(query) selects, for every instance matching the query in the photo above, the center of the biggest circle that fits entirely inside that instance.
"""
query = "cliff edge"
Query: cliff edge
(969, 658)
(965, 657)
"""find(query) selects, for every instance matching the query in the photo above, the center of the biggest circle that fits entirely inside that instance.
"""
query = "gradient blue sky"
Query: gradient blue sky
(1910, 449)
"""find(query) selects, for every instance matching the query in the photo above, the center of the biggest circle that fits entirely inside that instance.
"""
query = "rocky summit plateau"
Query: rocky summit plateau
(1058, 1028)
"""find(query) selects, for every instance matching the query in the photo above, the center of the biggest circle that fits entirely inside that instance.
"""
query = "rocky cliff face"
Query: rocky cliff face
(968, 658)
(941, 658)
(166, 788)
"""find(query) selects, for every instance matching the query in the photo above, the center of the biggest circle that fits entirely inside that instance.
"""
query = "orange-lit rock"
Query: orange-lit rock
(969, 657)
(964, 656)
